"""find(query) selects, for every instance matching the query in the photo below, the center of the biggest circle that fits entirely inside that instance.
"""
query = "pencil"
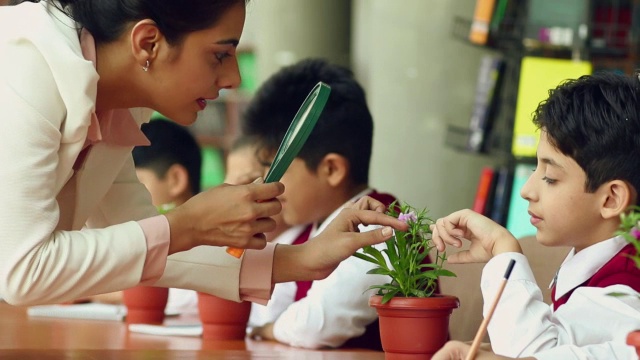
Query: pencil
(483, 326)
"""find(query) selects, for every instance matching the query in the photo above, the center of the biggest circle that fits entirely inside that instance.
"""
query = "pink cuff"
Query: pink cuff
(255, 275)
(157, 233)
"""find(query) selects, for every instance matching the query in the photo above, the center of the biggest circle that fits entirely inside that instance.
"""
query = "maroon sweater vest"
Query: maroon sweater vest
(620, 270)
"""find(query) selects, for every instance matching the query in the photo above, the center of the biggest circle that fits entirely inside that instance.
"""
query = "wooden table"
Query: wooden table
(25, 338)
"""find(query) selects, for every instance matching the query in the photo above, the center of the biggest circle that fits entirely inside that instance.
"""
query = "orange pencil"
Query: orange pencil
(483, 326)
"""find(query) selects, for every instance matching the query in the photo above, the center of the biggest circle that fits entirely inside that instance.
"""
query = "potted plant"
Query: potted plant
(630, 230)
(414, 320)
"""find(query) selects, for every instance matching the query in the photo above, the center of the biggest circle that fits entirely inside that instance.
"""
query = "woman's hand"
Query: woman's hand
(318, 257)
(487, 238)
(227, 215)
(456, 350)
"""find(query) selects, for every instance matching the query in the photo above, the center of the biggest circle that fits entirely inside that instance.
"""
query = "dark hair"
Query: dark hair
(241, 142)
(596, 121)
(345, 126)
(106, 20)
(170, 144)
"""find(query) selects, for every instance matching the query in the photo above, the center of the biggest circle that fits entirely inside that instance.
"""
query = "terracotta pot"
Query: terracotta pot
(145, 304)
(633, 339)
(414, 328)
(223, 319)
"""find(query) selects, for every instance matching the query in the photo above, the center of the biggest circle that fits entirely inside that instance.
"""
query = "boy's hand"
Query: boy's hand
(487, 238)
(456, 350)
(318, 257)
(264, 332)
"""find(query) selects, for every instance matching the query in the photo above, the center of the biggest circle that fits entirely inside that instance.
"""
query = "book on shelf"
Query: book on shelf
(518, 222)
(501, 10)
(483, 191)
(538, 76)
(500, 201)
(482, 14)
(485, 102)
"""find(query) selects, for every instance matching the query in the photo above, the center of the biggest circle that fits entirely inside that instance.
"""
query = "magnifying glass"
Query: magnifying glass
(295, 137)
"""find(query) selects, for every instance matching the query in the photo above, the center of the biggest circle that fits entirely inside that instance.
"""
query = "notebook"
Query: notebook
(90, 311)
(167, 330)
(93, 311)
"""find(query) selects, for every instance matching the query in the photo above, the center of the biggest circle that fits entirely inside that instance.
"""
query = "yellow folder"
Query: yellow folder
(537, 77)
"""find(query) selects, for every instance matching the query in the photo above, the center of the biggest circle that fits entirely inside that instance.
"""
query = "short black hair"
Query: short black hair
(345, 126)
(595, 120)
(170, 144)
(107, 20)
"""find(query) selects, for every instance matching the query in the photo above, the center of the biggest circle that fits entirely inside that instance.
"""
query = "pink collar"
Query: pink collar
(116, 127)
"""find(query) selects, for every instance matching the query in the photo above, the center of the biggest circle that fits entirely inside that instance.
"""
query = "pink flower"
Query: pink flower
(635, 233)
(409, 217)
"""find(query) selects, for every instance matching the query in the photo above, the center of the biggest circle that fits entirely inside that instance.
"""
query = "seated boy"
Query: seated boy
(331, 169)
(588, 174)
(170, 169)
(243, 167)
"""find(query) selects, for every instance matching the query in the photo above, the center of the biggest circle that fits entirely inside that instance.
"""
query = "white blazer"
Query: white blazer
(85, 242)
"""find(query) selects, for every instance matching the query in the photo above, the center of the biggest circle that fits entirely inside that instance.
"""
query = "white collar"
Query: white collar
(290, 235)
(580, 267)
(318, 229)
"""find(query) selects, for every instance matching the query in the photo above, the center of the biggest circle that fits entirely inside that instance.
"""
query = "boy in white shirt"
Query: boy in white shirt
(588, 174)
(330, 170)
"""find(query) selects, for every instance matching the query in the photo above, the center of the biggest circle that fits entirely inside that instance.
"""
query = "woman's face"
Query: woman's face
(185, 75)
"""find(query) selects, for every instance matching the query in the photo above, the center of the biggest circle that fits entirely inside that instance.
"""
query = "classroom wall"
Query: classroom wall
(418, 80)
(286, 31)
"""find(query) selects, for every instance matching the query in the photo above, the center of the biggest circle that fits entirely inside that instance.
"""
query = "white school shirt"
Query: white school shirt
(336, 308)
(284, 294)
(591, 325)
(183, 301)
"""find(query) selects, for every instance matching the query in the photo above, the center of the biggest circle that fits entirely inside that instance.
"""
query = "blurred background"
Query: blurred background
(451, 85)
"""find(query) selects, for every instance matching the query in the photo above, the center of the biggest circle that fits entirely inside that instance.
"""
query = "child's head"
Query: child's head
(588, 159)
(243, 167)
(333, 165)
(170, 167)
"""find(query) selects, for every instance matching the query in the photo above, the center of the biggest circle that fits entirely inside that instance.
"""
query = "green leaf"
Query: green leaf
(365, 258)
(388, 296)
(369, 250)
(379, 271)
(391, 251)
(619, 294)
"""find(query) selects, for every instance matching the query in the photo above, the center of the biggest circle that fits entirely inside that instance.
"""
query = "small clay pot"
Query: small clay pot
(413, 328)
(223, 319)
(145, 304)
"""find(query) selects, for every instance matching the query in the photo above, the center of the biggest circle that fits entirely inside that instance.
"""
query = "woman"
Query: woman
(77, 78)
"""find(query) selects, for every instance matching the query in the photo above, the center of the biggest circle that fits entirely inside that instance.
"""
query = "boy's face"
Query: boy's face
(243, 167)
(158, 188)
(560, 208)
(304, 199)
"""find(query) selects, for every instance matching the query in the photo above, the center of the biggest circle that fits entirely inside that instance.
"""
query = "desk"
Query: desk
(25, 338)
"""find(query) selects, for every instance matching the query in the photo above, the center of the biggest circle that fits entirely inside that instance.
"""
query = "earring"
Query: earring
(145, 68)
